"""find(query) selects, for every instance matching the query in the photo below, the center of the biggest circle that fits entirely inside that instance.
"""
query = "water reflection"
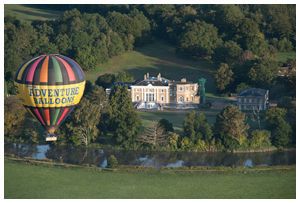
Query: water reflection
(98, 157)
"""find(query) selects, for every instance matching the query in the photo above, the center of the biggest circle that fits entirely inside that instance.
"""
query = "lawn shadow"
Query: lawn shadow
(167, 54)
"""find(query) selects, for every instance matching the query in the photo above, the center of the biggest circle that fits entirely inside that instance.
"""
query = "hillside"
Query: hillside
(158, 57)
(29, 13)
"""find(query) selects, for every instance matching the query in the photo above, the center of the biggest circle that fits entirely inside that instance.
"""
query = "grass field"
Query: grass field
(158, 57)
(283, 56)
(29, 13)
(175, 117)
(29, 181)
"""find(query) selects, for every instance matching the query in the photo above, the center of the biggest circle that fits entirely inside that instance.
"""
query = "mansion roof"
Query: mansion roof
(159, 81)
(253, 92)
(152, 82)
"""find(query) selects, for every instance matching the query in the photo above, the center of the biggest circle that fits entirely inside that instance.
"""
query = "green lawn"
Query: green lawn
(29, 181)
(283, 56)
(175, 117)
(29, 13)
(154, 58)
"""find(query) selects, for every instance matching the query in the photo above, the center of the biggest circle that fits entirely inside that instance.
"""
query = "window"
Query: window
(137, 98)
(180, 88)
(162, 98)
(181, 99)
(149, 97)
(187, 99)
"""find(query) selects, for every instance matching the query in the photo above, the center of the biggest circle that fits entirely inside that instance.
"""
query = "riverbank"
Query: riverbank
(23, 180)
(132, 168)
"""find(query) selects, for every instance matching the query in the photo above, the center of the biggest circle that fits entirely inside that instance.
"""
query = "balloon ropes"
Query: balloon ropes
(50, 86)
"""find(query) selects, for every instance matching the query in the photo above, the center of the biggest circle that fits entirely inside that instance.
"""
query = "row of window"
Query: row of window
(149, 98)
(251, 107)
(250, 100)
(181, 99)
(149, 90)
(181, 88)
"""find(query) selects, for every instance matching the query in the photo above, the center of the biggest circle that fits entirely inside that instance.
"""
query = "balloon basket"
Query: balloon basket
(51, 138)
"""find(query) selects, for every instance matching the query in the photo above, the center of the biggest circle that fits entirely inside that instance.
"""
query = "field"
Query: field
(158, 57)
(175, 117)
(29, 13)
(29, 181)
(283, 56)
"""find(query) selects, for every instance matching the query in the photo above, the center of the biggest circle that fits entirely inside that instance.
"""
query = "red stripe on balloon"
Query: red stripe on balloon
(37, 113)
(47, 116)
(69, 69)
(30, 74)
(63, 115)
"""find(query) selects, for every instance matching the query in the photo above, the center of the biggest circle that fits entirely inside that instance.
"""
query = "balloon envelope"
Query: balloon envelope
(50, 86)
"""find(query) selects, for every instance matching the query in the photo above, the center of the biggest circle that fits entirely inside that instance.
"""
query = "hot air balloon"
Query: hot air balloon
(50, 86)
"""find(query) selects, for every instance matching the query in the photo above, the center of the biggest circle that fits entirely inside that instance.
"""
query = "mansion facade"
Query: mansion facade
(158, 92)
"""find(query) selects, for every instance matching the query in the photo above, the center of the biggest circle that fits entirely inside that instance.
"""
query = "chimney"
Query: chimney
(159, 77)
(183, 80)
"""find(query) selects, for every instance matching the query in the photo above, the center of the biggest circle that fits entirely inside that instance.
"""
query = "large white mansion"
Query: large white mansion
(157, 92)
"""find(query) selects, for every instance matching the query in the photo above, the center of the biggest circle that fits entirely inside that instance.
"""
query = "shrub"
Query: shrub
(112, 162)
(185, 143)
(260, 138)
(173, 141)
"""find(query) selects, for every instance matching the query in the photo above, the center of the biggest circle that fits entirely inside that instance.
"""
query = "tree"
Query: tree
(223, 76)
(155, 135)
(202, 128)
(195, 126)
(240, 87)
(173, 141)
(19, 42)
(229, 52)
(106, 80)
(231, 127)
(124, 121)
(188, 125)
(82, 126)
(280, 128)
(124, 77)
(15, 115)
(228, 18)
(167, 125)
(263, 72)
(199, 39)
(281, 135)
(260, 138)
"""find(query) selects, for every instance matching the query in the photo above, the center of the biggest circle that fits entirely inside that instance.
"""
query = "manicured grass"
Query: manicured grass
(29, 13)
(158, 57)
(175, 117)
(29, 181)
(283, 56)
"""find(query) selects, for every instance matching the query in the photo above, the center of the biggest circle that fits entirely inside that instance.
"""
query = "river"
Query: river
(98, 156)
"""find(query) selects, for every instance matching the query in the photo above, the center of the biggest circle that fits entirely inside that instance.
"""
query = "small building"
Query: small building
(186, 92)
(253, 99)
